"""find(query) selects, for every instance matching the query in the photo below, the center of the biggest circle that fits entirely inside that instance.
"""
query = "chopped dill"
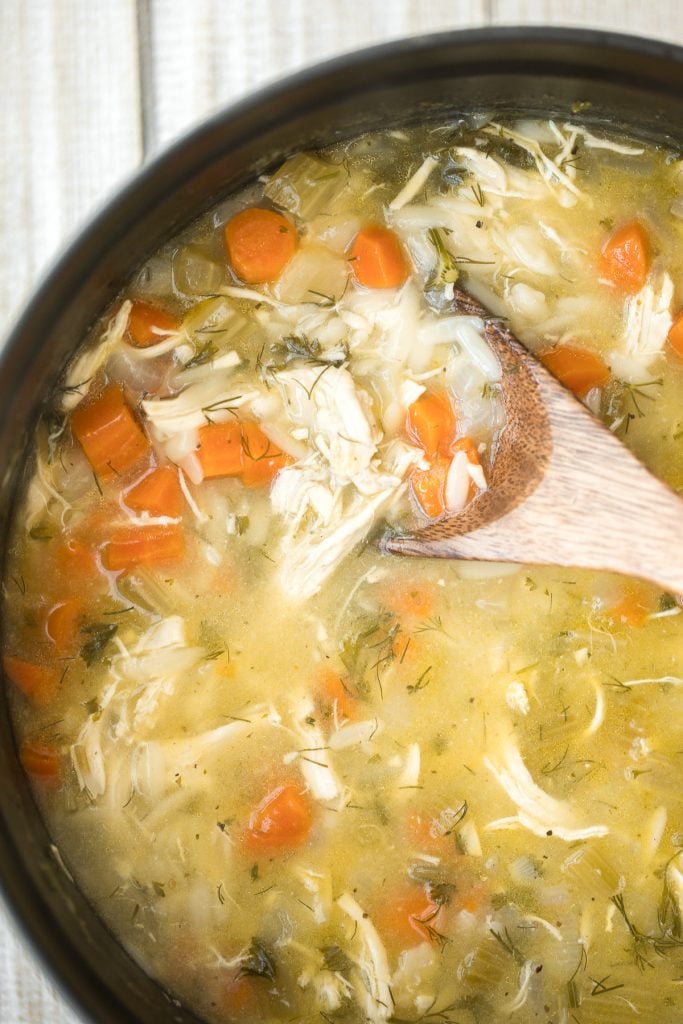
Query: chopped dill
(478, 194)
(204, 353)
(328, 300)
(220, 893)
(662, 945)
(258, 962)
(221, 405)
(548, 769)
(99, 634)
(446, 271)
(55, 426)
(600, 988)
(508, 945)
(433, 625)
(422, 682)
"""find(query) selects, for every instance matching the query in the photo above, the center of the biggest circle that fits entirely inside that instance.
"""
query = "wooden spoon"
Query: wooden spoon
(563, 489)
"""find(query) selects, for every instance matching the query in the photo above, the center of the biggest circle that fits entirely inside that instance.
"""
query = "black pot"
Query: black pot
(617, 81)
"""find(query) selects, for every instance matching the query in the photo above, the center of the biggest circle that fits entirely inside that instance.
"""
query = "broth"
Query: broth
(304, 780)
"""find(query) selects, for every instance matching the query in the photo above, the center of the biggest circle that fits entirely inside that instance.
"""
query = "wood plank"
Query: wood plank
(660, 18)
(204, 56)
(71, 131)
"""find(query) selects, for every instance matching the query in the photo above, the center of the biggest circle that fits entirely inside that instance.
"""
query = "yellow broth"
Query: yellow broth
(489, 756)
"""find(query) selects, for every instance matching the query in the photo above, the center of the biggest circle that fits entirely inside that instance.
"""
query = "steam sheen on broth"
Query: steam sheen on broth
(302, 780)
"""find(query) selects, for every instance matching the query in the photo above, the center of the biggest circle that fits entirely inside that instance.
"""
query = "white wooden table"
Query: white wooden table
(90, 88)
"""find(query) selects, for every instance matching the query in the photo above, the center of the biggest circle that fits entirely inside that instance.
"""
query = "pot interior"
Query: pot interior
(605, 80)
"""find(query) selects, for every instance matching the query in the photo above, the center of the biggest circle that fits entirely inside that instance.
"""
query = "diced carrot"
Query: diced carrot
(625, 257)
(75, 560)
(431, 422)
(62, 625)
(240, 997)
(424, 832)
(378, 259)
(39, 683)
(109, 434)
(282, 821)
(467, 445)
(41, 761)
(637, 601)
(144, 545)
(148, 325)
(429, 487)
(675, 336)
(407, 917)
(262, 459)
(220, 451)
(335, 699)
(260, 243)
(158, 493)
(239, 449)
(577, 368)
(414, 599)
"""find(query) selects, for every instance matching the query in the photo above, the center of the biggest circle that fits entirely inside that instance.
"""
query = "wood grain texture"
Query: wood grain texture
(203, 56)
(563, 490)
(660, 18)
(87, 86)
(69, 124)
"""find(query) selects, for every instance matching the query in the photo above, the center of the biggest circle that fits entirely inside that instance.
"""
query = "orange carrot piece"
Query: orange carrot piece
(109, 434)
(378, 259)
(635, 604)
(261, 458)
(240, 998)
(335, 699)
(220, 451)
(675, 335)
(260, 243)
(144, 545)
(431, 422)
(75, 561)
(424, 833)
(625, 257)
(412, 599)
(282, 821)
(407, 917)
(429, 486)
(38, 683)
(577, 368)
(158, 493)
(62, 625)
(41, 761)
(148, 325)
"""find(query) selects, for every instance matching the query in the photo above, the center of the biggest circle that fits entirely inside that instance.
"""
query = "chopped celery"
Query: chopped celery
(314, 275)
(306, 185)
(194, 273)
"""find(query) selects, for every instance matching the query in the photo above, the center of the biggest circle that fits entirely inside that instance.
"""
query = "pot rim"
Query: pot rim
(353, 73)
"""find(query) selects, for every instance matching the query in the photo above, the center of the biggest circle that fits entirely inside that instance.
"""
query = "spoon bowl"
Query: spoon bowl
(563, 489)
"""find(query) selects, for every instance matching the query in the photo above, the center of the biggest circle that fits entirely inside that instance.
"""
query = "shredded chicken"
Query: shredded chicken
(373, 965)
(541, 813)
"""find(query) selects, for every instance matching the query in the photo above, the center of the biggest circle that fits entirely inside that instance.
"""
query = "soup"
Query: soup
(301, 779)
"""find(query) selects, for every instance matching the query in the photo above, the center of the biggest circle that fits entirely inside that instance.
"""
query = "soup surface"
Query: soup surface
(303, 780)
